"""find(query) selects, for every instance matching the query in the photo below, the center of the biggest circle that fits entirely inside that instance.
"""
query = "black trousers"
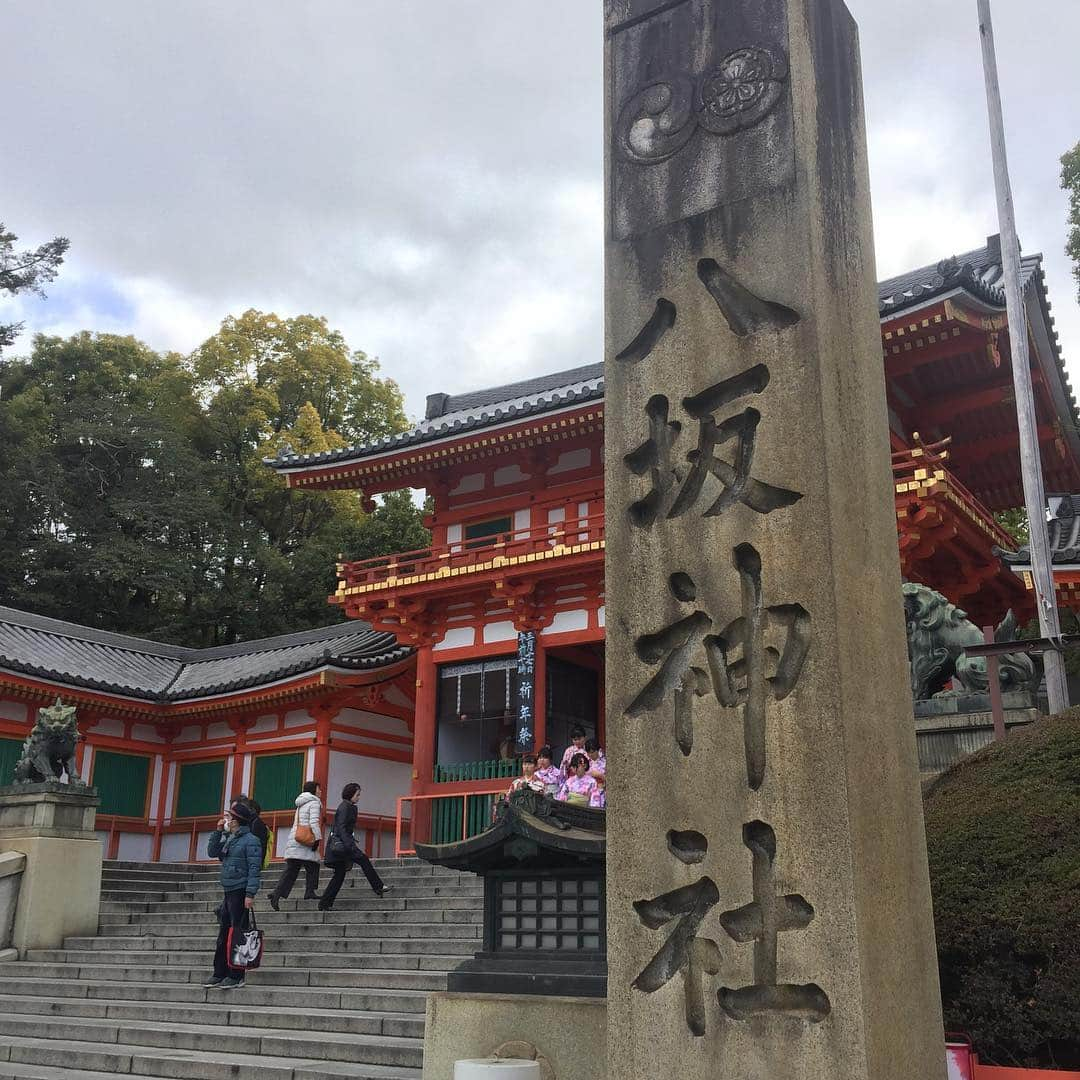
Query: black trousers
(230, 914)
(341, 869)
(292, 872)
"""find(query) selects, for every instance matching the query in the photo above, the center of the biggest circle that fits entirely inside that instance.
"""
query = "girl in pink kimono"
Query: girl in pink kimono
(547, 772)
(579, 787)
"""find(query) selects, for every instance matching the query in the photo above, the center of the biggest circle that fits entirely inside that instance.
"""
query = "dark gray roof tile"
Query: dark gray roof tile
(96, 659)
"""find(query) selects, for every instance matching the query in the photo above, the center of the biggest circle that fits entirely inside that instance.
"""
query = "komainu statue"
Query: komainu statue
(937, 634)
(49, 750)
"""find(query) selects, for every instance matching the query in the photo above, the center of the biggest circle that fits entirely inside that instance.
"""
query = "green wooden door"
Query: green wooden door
(10, 752)
(121, 781)
(200, 789)
(278, 780)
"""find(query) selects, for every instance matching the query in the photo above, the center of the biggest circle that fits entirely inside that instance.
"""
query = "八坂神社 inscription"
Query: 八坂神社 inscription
(764, 788)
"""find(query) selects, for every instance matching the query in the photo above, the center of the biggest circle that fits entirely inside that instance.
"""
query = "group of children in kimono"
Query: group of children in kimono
(579, 778)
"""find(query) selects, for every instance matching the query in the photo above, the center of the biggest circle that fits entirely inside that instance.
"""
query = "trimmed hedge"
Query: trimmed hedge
(1003, 834)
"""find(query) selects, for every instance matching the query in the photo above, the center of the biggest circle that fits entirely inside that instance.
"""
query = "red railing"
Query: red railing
(536, 543)
(373, 827)
(420, 815)
(924, 464)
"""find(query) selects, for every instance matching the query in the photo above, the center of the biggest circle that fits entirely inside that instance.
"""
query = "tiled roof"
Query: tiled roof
(1064, 535)
(978, 273)
(467, 412)
(81, 656)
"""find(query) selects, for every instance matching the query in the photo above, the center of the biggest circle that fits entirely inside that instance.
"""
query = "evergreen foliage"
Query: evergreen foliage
(1003, 834)
(26, 271)
(134, 497)
(1070, 182)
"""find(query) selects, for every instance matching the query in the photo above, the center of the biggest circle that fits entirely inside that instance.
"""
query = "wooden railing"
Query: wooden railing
(536, 543)
(493, 769)
(925, 464)
(371, 826)
(443, 819)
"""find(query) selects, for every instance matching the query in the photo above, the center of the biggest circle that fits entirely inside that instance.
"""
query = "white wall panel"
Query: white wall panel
(383, 781)
(499, 631)
(458, 638)
(175, 847)
(135, 847)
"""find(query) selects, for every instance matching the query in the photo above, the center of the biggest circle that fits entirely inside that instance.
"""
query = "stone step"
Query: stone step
(365, 976)
(212, 895)
(255, 994)
(170, 881)
(301, 922)
(224, 1039)
(129, 949)
(184, 936)
(404, 956)
(232, 1014)
(50, 1057)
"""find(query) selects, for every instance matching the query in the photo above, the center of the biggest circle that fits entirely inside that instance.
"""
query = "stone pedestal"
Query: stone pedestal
(53, 826)
(565, 1035)
(769, 911)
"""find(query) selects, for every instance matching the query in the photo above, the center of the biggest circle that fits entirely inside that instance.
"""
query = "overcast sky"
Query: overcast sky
(427, 173)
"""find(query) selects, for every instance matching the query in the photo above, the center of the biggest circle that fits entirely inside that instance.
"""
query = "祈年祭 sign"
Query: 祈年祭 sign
(768, 900)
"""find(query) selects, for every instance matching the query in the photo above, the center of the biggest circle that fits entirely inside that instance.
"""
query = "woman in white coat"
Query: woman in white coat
(298, 853)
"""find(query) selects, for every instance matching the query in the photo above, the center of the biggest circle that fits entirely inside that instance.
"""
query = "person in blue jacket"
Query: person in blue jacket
(241, 858)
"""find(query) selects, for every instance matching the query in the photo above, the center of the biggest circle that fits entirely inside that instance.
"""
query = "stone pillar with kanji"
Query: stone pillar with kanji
(769, 911)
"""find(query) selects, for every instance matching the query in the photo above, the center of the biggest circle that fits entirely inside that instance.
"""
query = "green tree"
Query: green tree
(26, 271)
(1003, 837)
(109, 511)
(135, 497)
(1070, 182)
(1015, 523)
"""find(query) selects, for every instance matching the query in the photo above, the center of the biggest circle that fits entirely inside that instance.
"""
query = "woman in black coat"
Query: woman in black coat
(342, 850)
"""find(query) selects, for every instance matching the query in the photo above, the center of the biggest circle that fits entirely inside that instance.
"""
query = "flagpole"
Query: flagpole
(1031, 467)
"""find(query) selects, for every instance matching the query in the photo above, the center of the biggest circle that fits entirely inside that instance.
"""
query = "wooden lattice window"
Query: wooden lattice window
(200, 789)
(122, 781)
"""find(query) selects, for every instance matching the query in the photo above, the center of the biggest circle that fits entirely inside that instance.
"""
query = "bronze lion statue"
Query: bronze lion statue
(49, 750)
(938, 632)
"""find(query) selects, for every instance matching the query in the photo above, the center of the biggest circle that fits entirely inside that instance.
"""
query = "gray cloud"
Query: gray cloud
(427, 173)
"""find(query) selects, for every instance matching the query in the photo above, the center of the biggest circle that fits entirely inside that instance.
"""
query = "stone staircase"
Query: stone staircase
(339, 994)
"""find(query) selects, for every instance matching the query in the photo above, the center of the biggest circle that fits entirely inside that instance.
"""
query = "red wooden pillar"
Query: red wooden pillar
(324, 717)
(239, 726)
(424, 736)
(540, 695)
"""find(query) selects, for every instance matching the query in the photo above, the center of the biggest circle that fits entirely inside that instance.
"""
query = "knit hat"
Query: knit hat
(243, 813)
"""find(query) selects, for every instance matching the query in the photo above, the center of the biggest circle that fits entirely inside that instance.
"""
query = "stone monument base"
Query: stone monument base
(568, 1036)
(52, 824)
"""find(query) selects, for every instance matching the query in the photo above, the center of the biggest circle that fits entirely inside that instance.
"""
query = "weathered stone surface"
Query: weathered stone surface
(12, 865)
(567, 1034)
(768, 902)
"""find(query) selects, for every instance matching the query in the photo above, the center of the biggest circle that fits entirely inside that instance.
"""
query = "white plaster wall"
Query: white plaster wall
(457, 638)
(472, 482)
(245, 782)
(391, 725)
(263, 725)
(189, 734)
(298, 718)
(200, 847)
(175, 846)
(87, 763)
(309, 764)
(600, 616)
(510, 474)
(170, 793)
(383, 781)
(522, 523)
(103, 837)
(565, 621)
(219, 731)
(499, 631)
(155, 787)
(571, 460)
(147, 733)
(108, 727)
(135, 847)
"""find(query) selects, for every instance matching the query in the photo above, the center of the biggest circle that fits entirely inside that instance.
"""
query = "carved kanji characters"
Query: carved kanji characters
(762, 922)
(683, 953)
